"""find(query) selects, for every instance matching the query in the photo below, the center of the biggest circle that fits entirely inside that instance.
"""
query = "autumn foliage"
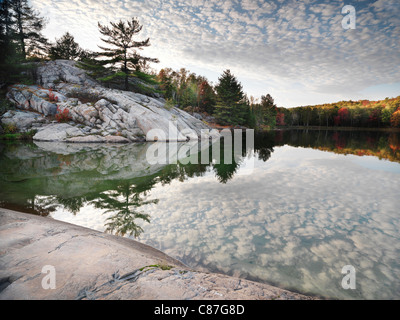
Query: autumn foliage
(62, 115)
(362, 113)
(52, 97)
(280, 119)
(395, 119)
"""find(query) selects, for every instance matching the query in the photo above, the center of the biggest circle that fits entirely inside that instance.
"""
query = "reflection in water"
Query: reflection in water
(124, 203)
(301, 216)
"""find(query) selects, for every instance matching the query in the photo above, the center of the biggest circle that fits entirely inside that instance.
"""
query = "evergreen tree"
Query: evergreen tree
(29, 25)
(65, 48)
(5, 29)
(231, 108)
(122, 56)
(13, 66)
(5, 24)
(268, 110)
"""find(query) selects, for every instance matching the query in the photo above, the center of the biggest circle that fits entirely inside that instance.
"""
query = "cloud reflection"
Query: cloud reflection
(293, 223)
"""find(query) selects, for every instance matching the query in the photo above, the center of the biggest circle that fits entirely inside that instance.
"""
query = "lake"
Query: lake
(292, 209)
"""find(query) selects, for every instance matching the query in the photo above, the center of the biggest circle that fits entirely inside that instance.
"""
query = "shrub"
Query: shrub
(5, 105)
(52, 97)
(62, 115)
(10, 128)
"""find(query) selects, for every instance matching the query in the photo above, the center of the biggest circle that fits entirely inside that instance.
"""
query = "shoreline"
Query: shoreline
(92, 265)
(322, 128)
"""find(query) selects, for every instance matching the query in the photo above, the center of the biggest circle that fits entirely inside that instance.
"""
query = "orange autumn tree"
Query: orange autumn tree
(395, 119)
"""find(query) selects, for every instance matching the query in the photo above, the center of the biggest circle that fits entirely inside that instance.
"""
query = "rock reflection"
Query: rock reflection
(41, 177)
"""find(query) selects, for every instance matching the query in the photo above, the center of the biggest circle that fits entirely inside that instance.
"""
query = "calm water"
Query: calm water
(290, 211)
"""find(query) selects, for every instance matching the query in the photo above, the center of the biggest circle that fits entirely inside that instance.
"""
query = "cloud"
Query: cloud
(272, 41)
(255, 226)
(295, 221)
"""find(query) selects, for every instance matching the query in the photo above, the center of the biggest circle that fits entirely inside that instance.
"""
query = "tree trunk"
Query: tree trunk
(21, 32)
(126, 71)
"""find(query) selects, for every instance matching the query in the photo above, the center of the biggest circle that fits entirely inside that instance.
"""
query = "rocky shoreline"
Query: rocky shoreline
(66, 105)
(92, 265)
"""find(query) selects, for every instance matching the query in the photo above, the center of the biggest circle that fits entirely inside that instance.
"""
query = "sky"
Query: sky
(297, 51)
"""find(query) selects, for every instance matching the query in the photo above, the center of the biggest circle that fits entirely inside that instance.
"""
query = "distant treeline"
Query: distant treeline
(362, 113)
(227, 102)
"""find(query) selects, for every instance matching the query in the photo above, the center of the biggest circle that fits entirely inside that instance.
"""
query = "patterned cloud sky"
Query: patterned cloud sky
(297, 51)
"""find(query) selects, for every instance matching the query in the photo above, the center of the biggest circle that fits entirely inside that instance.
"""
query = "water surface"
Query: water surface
(291, 211)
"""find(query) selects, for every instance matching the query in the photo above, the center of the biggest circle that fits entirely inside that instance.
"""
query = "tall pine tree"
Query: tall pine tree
(29, 25)
(20, 38)
(123, 57)
(231, 107)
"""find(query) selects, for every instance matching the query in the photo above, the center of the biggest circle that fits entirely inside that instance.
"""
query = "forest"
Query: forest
(119, 65)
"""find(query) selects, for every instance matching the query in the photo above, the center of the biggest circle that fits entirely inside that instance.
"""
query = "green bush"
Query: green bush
(10, 128)
(5, 105)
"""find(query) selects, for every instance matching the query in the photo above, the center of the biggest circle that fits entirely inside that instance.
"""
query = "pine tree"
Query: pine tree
(29, 25)
(123, 56)
(231, 108)
(65, 48)
(268, 110)
(13, 66)
(5, 29)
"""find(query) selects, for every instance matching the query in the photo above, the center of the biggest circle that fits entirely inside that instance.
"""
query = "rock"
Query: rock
(44, 107)
(87, 139)
(116, 139)
(197, 116)
(53, 72)
(23, 120)
(111, 110)
(88, 264)
(57, 132)
(34, 98)
(1, 130)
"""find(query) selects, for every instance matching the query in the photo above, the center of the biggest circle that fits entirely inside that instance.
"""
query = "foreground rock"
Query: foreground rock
(66, 92)
(93, 265)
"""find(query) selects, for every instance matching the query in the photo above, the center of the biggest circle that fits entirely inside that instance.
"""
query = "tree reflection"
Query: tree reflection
(29, 180)
(226, 168)
(124, 202)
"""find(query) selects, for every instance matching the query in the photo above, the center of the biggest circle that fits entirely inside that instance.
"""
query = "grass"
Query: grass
(22, 136)
(162, 266)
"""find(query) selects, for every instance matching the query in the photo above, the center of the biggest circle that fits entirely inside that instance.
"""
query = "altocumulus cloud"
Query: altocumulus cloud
(296, 221)
(299, 238)
(295, 50)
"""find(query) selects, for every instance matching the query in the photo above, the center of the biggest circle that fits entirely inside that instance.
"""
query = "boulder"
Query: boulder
(54, 72)
(116, 139)
(57, 132)
(23, 120)
(91, 265)
(87, 139)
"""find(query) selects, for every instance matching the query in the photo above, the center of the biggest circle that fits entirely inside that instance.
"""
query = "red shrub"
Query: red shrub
(52, 97)
(62, 115)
